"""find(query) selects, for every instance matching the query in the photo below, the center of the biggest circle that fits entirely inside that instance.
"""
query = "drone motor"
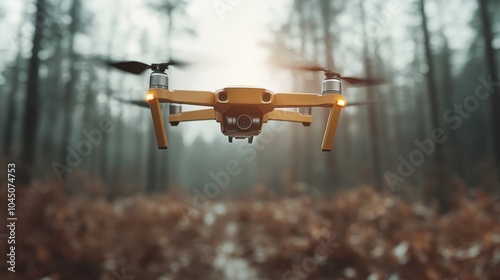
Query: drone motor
(331, 85)
(158, 79)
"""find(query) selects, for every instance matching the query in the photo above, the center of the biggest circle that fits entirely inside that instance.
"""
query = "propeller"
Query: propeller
(331, 74)
(136, 67)
(140, 103)
(369, 102)
(360, 103)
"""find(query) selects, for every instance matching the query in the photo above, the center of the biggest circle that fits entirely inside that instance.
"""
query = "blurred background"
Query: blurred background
(410, 191)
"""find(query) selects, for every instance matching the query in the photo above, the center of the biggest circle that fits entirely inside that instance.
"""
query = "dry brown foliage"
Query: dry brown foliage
(86, 236)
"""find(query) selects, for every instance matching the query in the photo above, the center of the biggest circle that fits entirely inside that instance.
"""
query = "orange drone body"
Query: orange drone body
(242, 111)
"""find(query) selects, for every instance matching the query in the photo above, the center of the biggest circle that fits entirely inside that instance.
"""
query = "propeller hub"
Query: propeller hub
(159, 67)
(331, 75)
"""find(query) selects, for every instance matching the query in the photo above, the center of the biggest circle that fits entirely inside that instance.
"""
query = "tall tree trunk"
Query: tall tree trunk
(69, 89)
(52, 104)
(121, 141)
(456, 160)
(88, 119)
(492, 69)
(372, 113)
(434, 100)
(104, 167)
(31, 104)
(152, 174)
(11, 101)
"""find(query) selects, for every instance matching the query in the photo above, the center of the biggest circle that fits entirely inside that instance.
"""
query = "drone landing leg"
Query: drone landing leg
(161, 135)
(331, 127)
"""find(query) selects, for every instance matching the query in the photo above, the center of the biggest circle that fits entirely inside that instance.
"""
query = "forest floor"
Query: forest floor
(356, 234)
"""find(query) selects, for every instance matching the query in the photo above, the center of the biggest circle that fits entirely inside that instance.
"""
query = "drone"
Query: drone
(240, 110)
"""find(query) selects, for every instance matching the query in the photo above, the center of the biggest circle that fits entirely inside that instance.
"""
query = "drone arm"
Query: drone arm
(161, 135)
(197, 115)
(293, 100)
(191, 97)
(155, 96)
(331, 101)
(282, 115)
(331, 127)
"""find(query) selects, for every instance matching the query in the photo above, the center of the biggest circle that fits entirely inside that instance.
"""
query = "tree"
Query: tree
(372, 114)
(447, 87)
(434, 105)
(69, 88)
(491, 64)
(31, 103)
(11, 102)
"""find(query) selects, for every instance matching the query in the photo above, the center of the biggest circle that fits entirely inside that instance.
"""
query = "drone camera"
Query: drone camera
(244, 121)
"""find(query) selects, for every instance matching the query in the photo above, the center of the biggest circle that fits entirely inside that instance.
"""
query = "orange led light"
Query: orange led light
(150, 96)
(340, 102)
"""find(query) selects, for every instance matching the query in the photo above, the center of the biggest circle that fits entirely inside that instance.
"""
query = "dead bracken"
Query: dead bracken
(376, 236)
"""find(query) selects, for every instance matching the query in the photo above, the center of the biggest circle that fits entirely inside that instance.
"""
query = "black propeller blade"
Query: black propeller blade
(133, 67)
(362, 81)
(369, 102)
(360, 103)
(330, 74)
(307, 68)
(140, 103)
(136, 67)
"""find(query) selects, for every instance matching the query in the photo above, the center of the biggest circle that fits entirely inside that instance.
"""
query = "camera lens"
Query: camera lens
(244, 122)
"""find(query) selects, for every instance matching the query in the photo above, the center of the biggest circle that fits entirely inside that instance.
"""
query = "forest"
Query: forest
(411, 189)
